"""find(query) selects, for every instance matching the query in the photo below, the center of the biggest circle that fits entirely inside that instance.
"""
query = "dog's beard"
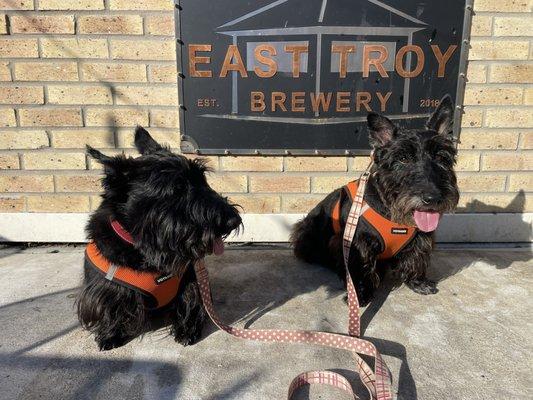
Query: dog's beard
(405, 207)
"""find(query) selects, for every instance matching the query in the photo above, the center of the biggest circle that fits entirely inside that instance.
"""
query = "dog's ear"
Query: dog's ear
(112, 165)
(441, 120)
(381, 129)
(144, 142)
(98, 155)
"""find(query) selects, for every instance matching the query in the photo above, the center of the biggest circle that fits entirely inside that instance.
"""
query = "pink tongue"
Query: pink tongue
(218, 247)
(426, 221)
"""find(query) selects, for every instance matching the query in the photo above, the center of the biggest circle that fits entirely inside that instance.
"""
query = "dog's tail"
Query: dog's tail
(309, 240)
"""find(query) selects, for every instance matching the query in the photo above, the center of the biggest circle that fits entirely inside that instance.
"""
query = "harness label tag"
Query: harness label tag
(399, 231)
(162, 279)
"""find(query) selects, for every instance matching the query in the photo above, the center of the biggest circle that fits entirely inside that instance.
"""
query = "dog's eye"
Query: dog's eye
(404, 159)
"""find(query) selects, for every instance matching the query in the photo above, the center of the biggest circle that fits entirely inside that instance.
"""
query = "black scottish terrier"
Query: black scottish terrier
(412, 183)
(163, 201)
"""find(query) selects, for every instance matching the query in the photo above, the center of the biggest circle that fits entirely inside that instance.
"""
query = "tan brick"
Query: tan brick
(300, 204)
(79, 183)
(26, 183)
(163, 73)
(519, 182)
(511, 73)
(111, 24)
(116, 117)
(74, 48)
(472, 117)
(7, 117)
(360, 163)
(58, 203)
(251, 163)
(503, 203)
(160, 25)
(477, 73)
(144, 95)
(481, 25)
(140, 5)
(5, 72)
(21, 95)
(327, 184)
(513, 26)
(93, 72)
(212, 161)
(68, 94)
(526, 140)
(227, 183)
(257, 204)
(143, 49)
(488, 139)
(168, 118)
(279, 184)
(3, 24)
(18, 48)
(125, 138)
(481, 183)
(95, 202)
(12, 204)
(499, 50)
(71, 4)
(56, 24)
(50, 116)
(77, 139)
(528, 96)
(467, 161)
(315, 164)
(48, 160)
(508, 161)
(9, 160)
(489, 95)
(46, 71)
(16, 5)
(509, 117)
(13, 140)
(503, 5)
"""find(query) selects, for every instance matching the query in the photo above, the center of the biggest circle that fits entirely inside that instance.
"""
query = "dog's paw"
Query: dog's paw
(423, 286)
(110, 344)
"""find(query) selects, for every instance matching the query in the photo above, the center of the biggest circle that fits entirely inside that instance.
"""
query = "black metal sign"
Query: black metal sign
(299, 76)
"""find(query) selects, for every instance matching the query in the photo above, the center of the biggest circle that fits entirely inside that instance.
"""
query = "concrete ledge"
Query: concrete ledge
(464, 228)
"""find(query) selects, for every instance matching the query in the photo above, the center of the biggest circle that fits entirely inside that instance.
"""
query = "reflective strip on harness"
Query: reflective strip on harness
(161, 288)
(395, 236)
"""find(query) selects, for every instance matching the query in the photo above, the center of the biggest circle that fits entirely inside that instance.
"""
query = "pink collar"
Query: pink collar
(121, 232)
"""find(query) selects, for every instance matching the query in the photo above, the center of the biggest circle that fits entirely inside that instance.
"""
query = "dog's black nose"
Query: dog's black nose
(429, 198)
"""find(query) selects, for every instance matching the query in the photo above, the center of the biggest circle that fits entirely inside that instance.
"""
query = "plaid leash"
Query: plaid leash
(377, 381)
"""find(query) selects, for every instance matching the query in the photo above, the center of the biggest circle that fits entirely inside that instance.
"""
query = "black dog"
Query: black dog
(162, 201)
(412, 183)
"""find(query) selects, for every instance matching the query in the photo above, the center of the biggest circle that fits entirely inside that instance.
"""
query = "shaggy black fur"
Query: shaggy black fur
(165, 202)
(413, 170)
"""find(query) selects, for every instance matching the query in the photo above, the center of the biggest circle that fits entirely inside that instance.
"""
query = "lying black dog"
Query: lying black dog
(158, 216)
(412, 183)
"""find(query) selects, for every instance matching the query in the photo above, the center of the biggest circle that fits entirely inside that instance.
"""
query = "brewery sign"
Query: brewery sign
(300, 76)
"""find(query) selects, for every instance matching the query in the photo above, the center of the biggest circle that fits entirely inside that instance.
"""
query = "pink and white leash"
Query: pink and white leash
(377, 381)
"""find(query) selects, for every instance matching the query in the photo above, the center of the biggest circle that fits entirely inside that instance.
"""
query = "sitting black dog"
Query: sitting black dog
(412, 183)
(158, 216)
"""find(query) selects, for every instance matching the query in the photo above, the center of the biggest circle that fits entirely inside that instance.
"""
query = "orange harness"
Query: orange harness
(159, 289)
(394, 236)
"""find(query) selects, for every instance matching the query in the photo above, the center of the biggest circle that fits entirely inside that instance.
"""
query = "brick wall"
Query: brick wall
(71, 70)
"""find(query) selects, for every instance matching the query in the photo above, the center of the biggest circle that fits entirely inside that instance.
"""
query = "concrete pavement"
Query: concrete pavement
(473, 340)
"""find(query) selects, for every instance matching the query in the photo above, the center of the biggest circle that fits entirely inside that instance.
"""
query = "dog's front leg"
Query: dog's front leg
(190, 314)
(362, 267)
(412, 264)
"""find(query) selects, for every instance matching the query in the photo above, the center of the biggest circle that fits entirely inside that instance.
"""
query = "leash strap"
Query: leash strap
(377, 381)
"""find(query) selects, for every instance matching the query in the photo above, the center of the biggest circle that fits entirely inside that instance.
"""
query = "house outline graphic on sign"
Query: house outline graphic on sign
(406, 26)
